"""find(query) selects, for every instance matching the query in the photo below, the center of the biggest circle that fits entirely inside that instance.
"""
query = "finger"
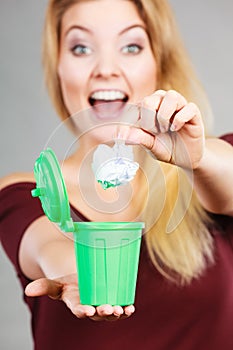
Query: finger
(148, 120)
(117, 311)
(82, 311)
(148, 108)
(44, 286)
(171, 103)
(104, 310)
(129, 310)
(108, 312)
(154, 100)
(189, 114)
(160, 145)
(141, 137)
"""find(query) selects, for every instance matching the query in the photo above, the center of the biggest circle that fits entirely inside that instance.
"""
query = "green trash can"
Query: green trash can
(107, 256)
(107, 253)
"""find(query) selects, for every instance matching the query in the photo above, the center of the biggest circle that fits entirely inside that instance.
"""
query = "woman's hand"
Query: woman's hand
(66, 289)
(171, 128)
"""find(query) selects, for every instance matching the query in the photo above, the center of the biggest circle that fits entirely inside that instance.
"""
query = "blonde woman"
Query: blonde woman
(100, 55)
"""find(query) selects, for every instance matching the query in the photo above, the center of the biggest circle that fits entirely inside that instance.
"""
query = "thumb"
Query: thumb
(44, 286)
(138, 136)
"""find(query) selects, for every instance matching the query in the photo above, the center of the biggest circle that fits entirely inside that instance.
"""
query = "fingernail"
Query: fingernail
(173, 127)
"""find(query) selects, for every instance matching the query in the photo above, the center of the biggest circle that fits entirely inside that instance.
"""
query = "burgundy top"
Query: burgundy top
(167, 317)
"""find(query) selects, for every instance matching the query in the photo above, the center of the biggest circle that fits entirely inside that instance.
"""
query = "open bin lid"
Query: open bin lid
(51, 190)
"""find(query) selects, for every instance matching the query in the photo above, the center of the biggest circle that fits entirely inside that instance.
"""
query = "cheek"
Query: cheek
(70, 76)
(72, 81)
(145, 77)
(149, 73)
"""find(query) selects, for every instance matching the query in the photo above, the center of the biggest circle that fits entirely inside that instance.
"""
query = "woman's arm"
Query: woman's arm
(213, 178)
(47, 257)
(44, 251)
(173, 131)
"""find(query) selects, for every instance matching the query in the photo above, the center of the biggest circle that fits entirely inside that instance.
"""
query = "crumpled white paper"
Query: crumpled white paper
(114, 166)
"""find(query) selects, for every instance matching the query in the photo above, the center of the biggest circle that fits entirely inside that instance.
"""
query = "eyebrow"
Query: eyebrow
(87, 30)
(75, 26)
(132, 27)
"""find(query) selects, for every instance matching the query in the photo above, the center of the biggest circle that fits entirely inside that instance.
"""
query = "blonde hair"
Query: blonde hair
(185, 252)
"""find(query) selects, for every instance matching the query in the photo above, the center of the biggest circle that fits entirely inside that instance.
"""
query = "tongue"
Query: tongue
(108, 109)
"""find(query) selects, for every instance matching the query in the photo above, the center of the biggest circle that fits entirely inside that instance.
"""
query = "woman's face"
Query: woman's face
(105, 56)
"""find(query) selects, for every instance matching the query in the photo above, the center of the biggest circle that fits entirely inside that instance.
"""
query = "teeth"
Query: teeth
(108, 95)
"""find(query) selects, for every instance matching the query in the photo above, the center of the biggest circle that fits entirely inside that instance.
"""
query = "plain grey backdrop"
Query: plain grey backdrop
(28, 119)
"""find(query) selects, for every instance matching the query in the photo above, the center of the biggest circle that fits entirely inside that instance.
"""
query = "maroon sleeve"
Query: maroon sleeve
(228, 138)
(18, 209)
(226, 222)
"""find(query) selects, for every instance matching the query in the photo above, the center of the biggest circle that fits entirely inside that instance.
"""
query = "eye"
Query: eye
(81, 50)
(132, 49)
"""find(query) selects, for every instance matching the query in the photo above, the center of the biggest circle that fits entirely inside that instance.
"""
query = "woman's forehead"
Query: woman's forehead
(92, 14)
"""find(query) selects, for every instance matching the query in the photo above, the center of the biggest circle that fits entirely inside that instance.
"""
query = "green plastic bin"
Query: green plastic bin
(107, 253)
(107, 256)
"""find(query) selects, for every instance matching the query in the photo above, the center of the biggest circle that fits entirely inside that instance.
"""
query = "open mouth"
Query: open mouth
(108, 104)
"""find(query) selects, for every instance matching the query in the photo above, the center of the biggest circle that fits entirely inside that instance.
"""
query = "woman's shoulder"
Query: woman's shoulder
(16, 178)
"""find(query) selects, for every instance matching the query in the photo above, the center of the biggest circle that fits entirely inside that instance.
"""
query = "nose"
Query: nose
(106, 66)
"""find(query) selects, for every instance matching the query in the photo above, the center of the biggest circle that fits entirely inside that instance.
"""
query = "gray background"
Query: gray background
(27, 117)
